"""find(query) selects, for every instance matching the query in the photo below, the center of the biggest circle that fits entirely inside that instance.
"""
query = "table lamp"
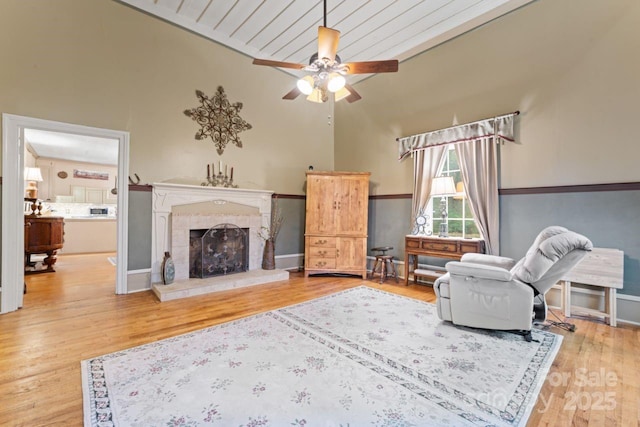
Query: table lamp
(443, 186)
(32, 175)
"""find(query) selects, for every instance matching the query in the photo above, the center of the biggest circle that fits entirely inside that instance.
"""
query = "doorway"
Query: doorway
(13, 149)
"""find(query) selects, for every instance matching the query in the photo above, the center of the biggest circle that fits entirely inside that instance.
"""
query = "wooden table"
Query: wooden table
(42, 235)
(601, 267)
(440, 247)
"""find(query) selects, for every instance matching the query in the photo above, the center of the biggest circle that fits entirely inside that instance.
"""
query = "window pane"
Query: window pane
(467, 210)
(436, 226)
(455, 208)
(459, 215)
(455, 228)
(453, 160)
(470, 229)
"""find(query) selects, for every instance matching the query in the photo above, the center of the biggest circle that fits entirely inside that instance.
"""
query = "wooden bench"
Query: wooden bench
(601, 267)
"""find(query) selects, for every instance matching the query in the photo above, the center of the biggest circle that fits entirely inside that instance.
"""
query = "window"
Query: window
(460, 219)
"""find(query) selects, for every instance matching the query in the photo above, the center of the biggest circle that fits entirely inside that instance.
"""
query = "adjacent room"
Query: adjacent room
(320, 213)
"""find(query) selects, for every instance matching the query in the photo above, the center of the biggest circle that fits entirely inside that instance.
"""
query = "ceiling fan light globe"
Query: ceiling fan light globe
(335, 82)
(305, 85)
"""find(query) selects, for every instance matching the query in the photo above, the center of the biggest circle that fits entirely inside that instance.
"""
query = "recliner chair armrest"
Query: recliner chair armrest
(494, 260)
(479, 271)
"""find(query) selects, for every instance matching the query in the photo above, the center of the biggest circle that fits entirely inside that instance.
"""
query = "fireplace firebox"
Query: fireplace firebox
(222, 249)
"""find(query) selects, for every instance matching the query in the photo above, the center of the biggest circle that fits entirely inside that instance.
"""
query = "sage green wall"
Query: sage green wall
(571, 67)
(387, 224)
(140, 214)
(104, 64)
(607, 218)
(291, 238)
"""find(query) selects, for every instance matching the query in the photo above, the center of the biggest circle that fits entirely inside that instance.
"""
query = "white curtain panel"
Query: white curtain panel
(479, 167)
(426, 164)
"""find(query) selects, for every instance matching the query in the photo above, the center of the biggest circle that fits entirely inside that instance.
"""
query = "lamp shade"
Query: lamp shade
(32, 174)
(459, 191)
(443, 186)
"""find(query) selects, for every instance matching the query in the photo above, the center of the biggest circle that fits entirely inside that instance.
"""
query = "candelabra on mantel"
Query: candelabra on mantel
(220, 179)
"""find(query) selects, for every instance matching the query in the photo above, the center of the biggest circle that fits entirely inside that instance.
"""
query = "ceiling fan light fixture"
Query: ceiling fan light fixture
(335, 82)
(306, 85)
(326, 72)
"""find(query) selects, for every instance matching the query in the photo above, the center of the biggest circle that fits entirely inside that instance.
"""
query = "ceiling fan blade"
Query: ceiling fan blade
(279, 64)
(293, 94)
(328, 39)
(353, 95)
(370, 67)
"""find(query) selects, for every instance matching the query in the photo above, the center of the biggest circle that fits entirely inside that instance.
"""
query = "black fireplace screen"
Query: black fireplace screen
(223, 249)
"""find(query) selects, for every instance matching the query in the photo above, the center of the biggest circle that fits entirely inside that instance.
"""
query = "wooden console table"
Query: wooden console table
(601, 267)
(440, 247)
(42, 235)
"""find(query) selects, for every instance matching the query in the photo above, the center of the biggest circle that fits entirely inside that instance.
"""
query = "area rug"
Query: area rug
(354, 358)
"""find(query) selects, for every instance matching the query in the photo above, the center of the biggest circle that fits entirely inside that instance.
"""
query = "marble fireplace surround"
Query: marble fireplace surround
(178, 208)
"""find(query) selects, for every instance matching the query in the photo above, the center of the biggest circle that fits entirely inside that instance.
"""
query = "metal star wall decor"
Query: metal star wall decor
(219, 119)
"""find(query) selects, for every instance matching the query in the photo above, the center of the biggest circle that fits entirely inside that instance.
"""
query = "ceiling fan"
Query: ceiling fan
(325, 72)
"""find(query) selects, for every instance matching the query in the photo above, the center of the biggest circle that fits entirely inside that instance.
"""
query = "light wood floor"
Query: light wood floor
(73, 315)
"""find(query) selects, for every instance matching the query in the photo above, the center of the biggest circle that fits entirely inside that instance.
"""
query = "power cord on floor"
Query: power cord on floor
(562, 324)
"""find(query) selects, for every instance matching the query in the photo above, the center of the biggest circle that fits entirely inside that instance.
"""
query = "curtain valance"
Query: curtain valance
(498, 128)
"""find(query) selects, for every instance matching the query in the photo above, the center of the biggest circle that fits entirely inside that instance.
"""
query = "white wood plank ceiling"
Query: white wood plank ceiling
(286, 30)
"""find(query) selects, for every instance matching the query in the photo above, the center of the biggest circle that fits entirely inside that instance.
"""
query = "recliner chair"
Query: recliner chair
(494, 292)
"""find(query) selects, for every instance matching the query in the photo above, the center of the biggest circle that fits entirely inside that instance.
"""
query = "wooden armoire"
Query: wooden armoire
(336, 223)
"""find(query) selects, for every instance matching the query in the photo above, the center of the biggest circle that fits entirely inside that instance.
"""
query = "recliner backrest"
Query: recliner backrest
(554, 252)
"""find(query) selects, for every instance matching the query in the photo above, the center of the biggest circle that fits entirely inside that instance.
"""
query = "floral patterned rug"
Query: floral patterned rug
(354, 358)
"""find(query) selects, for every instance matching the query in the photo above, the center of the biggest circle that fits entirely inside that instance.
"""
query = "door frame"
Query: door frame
(13, 146)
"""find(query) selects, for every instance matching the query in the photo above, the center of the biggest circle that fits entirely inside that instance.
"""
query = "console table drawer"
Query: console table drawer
(432, 246)
(472, 246)
(440, 247)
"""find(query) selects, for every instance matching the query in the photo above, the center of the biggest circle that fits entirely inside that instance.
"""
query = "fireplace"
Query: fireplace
(220, 250)
(178, 208)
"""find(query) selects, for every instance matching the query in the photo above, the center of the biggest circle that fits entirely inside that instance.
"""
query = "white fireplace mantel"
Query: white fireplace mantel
(166, 196)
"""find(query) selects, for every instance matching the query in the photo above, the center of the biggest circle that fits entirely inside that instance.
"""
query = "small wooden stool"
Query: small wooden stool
(384, 263)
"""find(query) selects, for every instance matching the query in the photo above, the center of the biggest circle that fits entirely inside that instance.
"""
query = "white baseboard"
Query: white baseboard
(290, 262)
(138, 280)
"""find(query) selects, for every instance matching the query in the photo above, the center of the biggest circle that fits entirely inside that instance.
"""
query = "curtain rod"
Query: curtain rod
(515, 113)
